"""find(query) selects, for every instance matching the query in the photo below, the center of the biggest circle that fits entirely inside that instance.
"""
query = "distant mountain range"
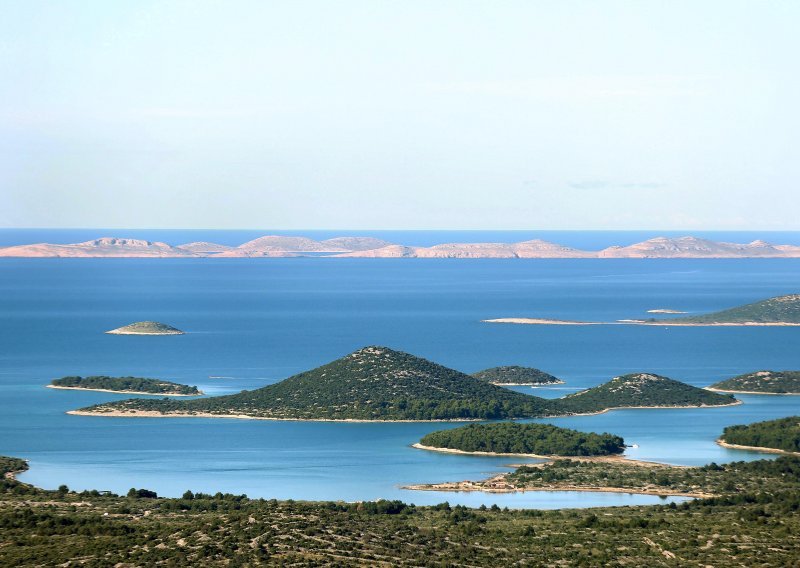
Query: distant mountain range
(273, 246)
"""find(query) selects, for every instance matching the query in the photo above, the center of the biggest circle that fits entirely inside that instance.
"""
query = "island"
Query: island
(374, 383)
(381, 384)
(146, 328)
(513, 375)
(774, 436)
(640, 390)
(777, 311)
(513, 438)
(125, 385)
(761, 382)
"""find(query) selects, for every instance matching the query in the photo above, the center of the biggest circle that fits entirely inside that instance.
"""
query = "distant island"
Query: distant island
(513, 438)
(276, 246)
(381, 384)
(777, 311)
(640, 390)
(126, 385)
(146, 328)
(777, 436)
(513, 375)
(761, 382)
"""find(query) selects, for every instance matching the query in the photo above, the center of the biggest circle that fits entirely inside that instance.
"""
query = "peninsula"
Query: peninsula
(513, 375)
(125, 385)
(146, 328)
(775, 436)
(513, 438)
(761, 382)
(279, 246)
(777, 311)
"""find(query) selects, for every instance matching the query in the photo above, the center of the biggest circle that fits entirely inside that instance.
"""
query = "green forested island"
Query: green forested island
(515, 375)
(752, 521)
(146, 328)
(778, 310)
(378, 383)
(373, 383)
(640, 390)
(517, 438)
(767, 382)
(781, 434)
(130, 385)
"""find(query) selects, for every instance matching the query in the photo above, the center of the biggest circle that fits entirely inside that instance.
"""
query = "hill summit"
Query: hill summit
(373, 383)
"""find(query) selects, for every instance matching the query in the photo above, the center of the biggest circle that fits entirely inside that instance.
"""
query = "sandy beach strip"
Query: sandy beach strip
(619, 458)
(725, 444)
(199, 393)
(154, 414)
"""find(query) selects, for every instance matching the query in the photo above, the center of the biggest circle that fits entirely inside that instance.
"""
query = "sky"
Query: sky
(400, 114)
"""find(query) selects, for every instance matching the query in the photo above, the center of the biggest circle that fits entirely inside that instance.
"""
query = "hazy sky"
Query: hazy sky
(401, 114)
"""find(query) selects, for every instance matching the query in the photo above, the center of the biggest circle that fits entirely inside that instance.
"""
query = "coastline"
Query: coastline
(725, 444)
(154, 414)
(498, 484)
(115, 332)
(540, 321)
(199, 393)
(616, 458)
(753, 392)
(527, 384)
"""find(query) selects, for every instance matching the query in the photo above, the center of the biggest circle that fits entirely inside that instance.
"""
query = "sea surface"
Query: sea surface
(252, 322)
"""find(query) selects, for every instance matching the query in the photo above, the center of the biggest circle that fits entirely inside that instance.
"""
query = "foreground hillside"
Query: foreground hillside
(373, 383)
(640, 390)
(767, 382)
(755, 522)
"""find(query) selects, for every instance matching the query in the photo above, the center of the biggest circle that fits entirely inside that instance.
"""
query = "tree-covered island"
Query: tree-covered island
(523, 438)
(781, 435)
(127, 385)
(516, 375)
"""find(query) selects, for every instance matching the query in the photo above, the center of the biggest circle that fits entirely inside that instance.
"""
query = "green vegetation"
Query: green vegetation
(782, 434)
(146, 328)
(781, 309)
(768, 382)
(514, 375)
(373, 383)
(130, 384)
(640, 389)
(758, 526)
(516, 438)
(712, 479)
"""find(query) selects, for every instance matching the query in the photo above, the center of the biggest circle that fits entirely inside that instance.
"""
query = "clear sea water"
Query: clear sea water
(252, 322)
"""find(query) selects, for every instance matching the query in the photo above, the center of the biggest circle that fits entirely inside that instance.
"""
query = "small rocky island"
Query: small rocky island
(514, 375)
(513, 438)
(146, 328)
(126, 385)
(761, 382)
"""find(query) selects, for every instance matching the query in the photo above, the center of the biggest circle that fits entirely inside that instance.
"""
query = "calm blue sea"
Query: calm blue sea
(252, 322)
